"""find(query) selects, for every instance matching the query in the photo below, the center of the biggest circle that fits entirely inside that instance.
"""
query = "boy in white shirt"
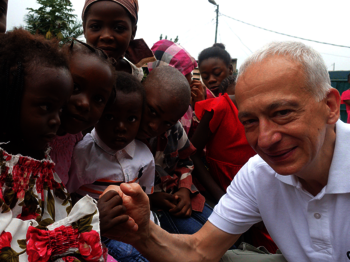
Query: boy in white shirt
(110, 155)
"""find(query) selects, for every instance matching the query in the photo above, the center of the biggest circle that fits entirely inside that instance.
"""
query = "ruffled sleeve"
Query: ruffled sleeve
(345, 96)
(37, 221)
(217, 105)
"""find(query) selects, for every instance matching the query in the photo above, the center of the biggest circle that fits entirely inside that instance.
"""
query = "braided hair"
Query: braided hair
(20, 53)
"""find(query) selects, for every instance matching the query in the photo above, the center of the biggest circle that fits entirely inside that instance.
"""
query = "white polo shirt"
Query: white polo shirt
(304, 227)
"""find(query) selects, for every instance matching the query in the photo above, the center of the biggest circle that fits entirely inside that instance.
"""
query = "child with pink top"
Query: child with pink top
(94, 78)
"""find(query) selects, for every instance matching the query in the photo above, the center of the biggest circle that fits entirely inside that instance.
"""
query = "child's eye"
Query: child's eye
(169, 124)
(95, 27)
(119, 28)
(132, 119)
(76, 88)
(108, 117)
(152, 111)
(46, 107)
(99, 99)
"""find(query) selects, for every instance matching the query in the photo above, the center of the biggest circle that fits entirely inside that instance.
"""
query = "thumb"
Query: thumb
(112, 187)
(134, 190)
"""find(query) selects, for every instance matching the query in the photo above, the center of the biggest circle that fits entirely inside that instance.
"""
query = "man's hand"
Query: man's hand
(163, 201)
(183, 207)
(137, 207)
(112, 214)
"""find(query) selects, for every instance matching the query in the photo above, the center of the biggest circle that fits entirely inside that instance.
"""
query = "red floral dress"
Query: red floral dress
(37, 220)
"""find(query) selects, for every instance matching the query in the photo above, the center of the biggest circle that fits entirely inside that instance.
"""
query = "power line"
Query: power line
(324, 43)
(238, 37)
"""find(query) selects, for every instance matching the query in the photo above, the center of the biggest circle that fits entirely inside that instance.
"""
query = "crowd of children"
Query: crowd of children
(134, 133)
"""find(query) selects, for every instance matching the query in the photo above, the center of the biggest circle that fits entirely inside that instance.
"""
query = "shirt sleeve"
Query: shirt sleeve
(238, 210)
(147, 179)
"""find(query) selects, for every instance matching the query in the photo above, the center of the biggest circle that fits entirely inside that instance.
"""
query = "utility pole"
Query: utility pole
(217, 18)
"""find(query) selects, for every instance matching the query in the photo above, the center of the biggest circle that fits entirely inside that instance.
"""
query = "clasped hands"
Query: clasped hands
(124, 213)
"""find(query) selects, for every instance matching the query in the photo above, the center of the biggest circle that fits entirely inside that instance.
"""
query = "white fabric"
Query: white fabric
(93, 160)
(304, 227)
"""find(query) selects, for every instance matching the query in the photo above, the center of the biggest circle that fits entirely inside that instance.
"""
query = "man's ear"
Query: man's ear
(133, 34)
(333, 104)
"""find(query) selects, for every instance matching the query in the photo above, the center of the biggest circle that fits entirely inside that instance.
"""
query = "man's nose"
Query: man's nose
(268, 134)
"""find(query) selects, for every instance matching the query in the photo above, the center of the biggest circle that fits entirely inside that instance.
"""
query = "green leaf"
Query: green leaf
(50, 204)
(44, 223)
(85, 223)
(22, 243)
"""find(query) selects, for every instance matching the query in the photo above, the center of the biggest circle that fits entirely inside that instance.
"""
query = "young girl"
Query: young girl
(38, 222)
(111, 155)
(214, 66)
(94, 78)
(111, 26)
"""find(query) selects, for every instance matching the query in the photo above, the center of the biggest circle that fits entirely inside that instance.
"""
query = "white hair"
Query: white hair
(317, 77)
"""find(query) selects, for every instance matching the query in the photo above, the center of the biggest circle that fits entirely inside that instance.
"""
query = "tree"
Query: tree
(54, 19)
(176, 40)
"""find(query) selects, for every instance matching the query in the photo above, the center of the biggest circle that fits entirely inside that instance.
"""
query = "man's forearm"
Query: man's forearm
(163, 246)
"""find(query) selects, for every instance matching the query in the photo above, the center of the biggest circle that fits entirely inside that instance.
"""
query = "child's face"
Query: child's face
(120, 122)
(45, 93)
(93, 82)
(213, 70)
(109, 27)
(160, 113)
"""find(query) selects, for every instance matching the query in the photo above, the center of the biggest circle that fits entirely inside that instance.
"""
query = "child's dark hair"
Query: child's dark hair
(21, 52)
(127, 83)
(226, 83)
(217, 50)
(78, 47)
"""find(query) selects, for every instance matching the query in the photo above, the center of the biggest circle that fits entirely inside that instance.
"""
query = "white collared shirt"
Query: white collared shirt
(95, 166)
(304, 227)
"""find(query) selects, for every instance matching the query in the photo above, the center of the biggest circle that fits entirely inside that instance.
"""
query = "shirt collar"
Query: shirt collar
(129, 149)
(338, 180)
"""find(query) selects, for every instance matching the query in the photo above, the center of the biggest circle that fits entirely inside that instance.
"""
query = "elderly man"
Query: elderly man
(298, 183)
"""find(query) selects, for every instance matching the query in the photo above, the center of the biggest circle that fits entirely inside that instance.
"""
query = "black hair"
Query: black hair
(21, 52)
(229, 81)
(87, 10)
(217, 51)
(127, 83)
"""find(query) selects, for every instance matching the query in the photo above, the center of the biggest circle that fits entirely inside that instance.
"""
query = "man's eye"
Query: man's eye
(283, 112)
(248, 122)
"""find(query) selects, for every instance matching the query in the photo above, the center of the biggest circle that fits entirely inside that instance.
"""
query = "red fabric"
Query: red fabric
(228, 149)
(346, 96)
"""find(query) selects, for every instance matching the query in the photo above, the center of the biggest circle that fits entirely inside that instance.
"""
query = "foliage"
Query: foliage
(54, 18)
(176, 40)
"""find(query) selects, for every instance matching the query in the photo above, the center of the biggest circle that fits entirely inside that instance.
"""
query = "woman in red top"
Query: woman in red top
(227, 150)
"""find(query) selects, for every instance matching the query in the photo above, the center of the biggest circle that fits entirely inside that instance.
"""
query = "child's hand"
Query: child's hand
(112, 214)
(183, 207)
(197, 91)
(162, 200)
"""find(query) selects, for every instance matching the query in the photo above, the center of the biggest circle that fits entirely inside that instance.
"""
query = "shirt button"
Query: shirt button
(317, 215)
